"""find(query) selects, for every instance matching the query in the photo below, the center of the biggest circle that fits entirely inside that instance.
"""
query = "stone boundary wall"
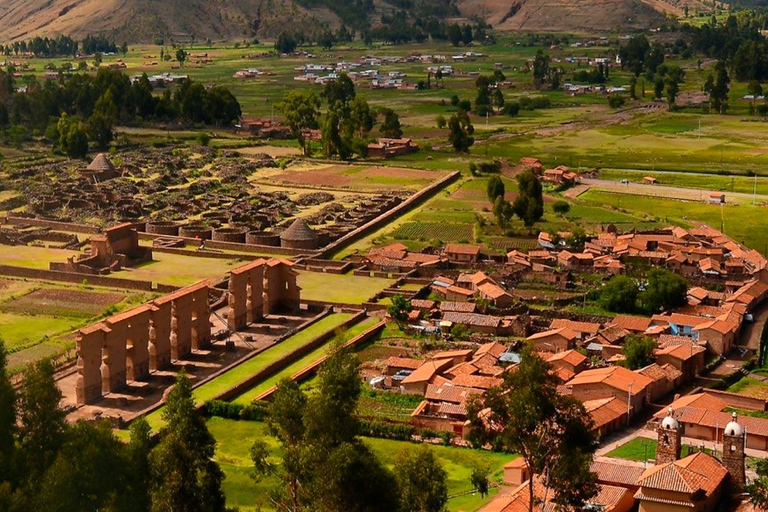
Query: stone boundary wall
(362, 272)
(204, 254)
(233, 246)
(413, 201)
(736, 400)
(322, 303)
(54, 224)
(569, 315)
(73, 277)
(289, 358)
(307, 371)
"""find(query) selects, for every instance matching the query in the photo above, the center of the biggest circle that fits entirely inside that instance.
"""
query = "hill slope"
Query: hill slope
(145, 20)
(564, 15)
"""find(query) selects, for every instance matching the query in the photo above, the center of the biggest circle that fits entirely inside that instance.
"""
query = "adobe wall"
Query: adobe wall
(233, 246)
(78, 278)
(246, 295)
(282, 291)
(739, 401)
(126, 346)
(53, 224)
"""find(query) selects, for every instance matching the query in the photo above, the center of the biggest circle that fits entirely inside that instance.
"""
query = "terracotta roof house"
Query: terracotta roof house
(613, 381)
(636, 324)
(456, 356)
(462, 253)
(570, 360)
(608, 415)
(458, 307)
(396, 364)
(475, 322)
(554, 340)
(689, 359)
(617, 474)
(299, 236)
(584, 329)
(694, 483)
(416, 383)
(496, 295)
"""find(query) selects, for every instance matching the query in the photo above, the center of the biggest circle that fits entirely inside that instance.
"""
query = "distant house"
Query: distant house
(496, 295)
(428, 373)
(532, 163)
(650, 180)
(717, 198)
(614, 381)
(388, 148)
(462, 253)
(555, 340)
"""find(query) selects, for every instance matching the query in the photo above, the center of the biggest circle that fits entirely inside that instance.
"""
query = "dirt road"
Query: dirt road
(667, 192)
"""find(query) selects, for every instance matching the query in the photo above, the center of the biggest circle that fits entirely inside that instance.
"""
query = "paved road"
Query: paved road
(687, 194)
(750, 335)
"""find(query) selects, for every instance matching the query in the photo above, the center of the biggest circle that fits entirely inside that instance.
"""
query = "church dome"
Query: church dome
(733, 428)
(669, 422)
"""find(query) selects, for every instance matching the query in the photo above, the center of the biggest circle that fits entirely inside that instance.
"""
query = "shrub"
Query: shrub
(616, 101)
(203, 139)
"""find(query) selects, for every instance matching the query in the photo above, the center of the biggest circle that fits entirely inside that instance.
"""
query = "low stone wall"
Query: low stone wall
(310, 370)
(54, 224)
(413, 201)
(204, 254)
(569, 315)
(230, 246)
(73, 277)
(268, 371)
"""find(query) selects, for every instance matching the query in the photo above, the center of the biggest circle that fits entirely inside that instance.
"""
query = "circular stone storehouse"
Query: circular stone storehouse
(299, 236)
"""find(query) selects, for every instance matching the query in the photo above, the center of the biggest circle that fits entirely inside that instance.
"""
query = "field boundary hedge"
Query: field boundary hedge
(77, 278)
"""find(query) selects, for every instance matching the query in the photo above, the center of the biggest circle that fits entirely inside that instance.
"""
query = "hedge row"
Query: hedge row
(222, 409)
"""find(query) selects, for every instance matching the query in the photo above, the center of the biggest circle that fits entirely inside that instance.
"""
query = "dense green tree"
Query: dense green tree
(758, 487)
(480, 480)
(551, 432)
(184, 476)
(664, 291)
(100, 131)
(7, 419)
(561, 207)
(285, 43)
(340, 90)
(633, 54)
(540, 68)
(529, 203)
(138, 451)
(181, 56)
(89, 473)
(421, 480)
(498, 98)
(576, 239)
(42, 423)
(441, 122)
(718, 87)
(620, 294)
(301, 110)
(495, 188)
(325, 466)
(399, 308)
(390, 126)
(461, 131)
(503, 211)
(638, 351)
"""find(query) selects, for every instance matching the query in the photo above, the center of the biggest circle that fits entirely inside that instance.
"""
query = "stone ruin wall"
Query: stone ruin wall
(127, 346)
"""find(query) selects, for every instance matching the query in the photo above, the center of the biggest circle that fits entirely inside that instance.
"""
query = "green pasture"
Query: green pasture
(317, 354)
(234, 439)
(341, 288)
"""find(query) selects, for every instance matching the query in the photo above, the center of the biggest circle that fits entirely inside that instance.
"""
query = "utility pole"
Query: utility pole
(754, 191)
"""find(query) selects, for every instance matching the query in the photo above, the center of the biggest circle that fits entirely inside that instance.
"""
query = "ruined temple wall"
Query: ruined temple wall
(160, 339)
(246, 290)
(132, 329)
(282, 291)
(89, 353)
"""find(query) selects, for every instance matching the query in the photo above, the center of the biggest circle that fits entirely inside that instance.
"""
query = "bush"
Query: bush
(511, 109)
(465, 105)
(616, 101)
(203, 139)
(561, 207)
(384, 430)
(222, 409)
(534, 102)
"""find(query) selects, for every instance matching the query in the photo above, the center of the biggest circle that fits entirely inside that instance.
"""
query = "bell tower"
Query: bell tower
(734, 457)
(669, 439)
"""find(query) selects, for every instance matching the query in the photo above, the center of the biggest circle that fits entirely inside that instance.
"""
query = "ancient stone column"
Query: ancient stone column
(175, 355)
(153, 362)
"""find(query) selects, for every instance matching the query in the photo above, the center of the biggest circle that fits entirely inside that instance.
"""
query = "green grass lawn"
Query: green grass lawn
(305, 361)
(178, 269)
(347, 289)
(751, 387)
(240, 373)
(21, 331)
(32, 257)
(638, 449)
(234, 439)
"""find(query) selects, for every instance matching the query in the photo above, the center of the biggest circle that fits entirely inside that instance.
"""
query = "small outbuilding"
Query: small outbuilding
(100, 169)
(299, 236)
(717, 198)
